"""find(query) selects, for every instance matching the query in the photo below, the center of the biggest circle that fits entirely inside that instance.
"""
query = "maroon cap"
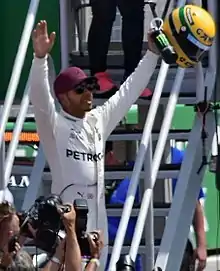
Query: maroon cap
(68, 79)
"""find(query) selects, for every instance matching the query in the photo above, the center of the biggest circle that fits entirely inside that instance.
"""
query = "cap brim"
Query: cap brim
(89, 80)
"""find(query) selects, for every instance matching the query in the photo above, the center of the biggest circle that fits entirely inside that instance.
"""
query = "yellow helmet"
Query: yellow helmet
(191, 31)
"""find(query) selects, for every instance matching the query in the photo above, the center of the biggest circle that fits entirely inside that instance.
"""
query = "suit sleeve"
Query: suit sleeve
(118, 105)
(40, 96)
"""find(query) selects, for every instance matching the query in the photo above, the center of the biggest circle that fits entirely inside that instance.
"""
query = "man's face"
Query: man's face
(80, 99)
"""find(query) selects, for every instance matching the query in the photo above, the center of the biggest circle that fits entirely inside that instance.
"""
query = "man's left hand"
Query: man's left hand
(200, 255)
(151, 45)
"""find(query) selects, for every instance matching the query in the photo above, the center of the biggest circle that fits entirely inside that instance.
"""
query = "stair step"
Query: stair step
(184, 98)
(115, 60)
(111, 172)
(116, 212)
(157, 205)
(120, 172)
(136, 134)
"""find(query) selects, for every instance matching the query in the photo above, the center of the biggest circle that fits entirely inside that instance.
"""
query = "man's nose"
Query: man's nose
(87, 93)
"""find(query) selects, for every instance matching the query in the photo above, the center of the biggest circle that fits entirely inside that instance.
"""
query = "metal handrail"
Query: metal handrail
(156, 162)
(138, 166)
(140, 159)
(16, 132)
(18, 65)
(11, 91)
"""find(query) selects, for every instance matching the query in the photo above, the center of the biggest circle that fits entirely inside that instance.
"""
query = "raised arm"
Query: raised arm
(117, 106)
(40, 92)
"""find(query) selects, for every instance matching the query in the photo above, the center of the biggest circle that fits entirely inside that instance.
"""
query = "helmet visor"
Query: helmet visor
(192, 47)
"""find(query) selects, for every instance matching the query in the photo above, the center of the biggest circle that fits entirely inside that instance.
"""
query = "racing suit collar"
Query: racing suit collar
(68, 116)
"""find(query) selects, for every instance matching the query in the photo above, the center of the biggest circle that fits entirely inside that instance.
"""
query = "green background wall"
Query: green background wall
(12, 18)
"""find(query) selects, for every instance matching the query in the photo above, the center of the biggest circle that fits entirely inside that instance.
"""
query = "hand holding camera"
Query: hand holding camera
(96, 244)
(68, 217)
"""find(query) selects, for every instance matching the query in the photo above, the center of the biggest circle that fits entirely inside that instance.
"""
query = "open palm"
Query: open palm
(42, 42)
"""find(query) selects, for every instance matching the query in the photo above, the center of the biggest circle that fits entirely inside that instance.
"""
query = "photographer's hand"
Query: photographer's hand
(96, 244)
(68, 218)
(7, 257)
(73, 254)
(95, 239)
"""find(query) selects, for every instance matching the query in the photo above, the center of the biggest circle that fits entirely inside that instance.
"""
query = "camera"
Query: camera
(81, 209)
(45, 219)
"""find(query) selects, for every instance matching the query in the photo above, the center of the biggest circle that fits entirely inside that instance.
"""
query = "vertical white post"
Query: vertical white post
(2, 166)
(18, 65)
(149, 226)
(64, 34)
(137, 167)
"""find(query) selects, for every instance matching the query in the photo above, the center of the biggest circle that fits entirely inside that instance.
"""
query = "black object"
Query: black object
(125, 263)
(46, 220)
(81, 209)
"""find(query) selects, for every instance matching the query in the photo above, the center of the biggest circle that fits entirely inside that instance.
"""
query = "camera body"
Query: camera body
(81, 209)
(45, 219)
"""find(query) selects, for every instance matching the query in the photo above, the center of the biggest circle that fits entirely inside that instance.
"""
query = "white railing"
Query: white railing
(11, 91)
(16, 132)
(154, 167)
(138, 166)
(156, 162)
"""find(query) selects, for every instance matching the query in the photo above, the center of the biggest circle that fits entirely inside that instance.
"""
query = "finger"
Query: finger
(45, 27)
(17, 247)
(13, 253)
(52, 38)
(38, 29)
(98, 232)
(42, 27)
(90, 239)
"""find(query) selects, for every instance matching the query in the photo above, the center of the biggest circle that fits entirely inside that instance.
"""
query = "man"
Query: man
(74, 139)
(197, 252)
(104, 12)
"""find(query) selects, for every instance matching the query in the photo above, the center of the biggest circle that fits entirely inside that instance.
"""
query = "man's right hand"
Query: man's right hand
(42, 43)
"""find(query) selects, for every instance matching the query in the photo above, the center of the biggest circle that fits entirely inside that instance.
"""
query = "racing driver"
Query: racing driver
(74, 138)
